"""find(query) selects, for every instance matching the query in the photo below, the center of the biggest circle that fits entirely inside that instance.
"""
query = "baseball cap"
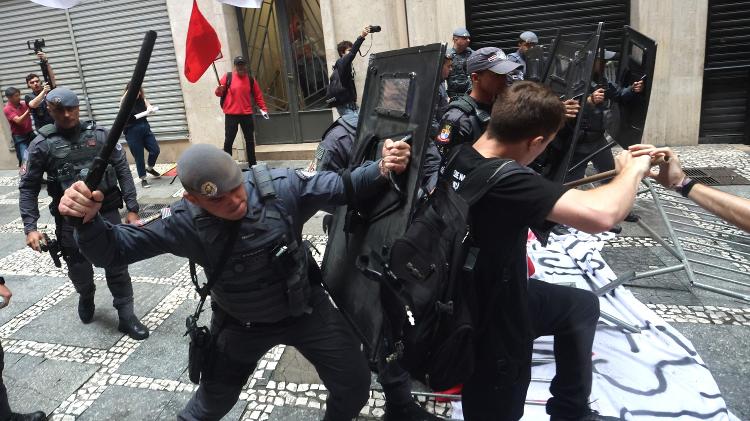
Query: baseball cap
(490, 58)
(240, 60)
(208, 171)
(461, 32)
(63, 97)
(529, 36)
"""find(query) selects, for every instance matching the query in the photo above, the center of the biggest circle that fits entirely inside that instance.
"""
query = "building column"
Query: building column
(679, 29)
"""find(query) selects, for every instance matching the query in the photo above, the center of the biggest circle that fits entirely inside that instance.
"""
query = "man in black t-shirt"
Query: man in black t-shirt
(525, 118)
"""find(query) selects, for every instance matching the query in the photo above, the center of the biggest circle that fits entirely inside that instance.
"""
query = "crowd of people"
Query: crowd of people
(245, 228)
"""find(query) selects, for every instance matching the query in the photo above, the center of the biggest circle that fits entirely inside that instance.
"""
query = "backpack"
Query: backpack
(335, 91)
(428, 294)
(229, 83)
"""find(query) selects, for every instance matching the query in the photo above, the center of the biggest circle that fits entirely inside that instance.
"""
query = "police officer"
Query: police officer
(334, 152)
(264, 295)
(459, 82)
(441, 105)
(591, 137)
(467, 116)
(526, 40)
(65, 151)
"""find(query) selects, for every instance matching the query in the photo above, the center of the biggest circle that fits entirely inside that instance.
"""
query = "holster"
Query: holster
(198, 351)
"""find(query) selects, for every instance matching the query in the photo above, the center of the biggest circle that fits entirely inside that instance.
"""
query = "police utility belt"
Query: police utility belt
(261, 282)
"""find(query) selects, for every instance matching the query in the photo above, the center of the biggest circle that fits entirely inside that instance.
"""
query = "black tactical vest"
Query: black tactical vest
(265, 278)
(69, 161)
(459, 81)
(478, 117)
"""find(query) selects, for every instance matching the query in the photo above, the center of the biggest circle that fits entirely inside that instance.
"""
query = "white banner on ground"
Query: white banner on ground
(57, 4)
(251, 4)
(655, 374)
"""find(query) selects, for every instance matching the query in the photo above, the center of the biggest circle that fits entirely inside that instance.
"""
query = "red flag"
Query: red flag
(202, 45)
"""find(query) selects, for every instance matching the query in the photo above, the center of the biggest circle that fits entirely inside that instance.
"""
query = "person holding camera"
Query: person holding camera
(65, 151)
(5, 412)
(39, 114)
(342, 92)
(18, 115)
(139, 136)
(237, 90)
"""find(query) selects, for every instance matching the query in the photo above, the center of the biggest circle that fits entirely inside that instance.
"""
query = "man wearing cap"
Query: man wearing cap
(267, 292)
(467, 116)
(591, 137)
(526, 40)
(65, 151)
(238, 90)
(459, 81)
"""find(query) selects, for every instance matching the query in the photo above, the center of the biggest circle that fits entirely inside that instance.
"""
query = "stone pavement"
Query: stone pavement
(87, 372)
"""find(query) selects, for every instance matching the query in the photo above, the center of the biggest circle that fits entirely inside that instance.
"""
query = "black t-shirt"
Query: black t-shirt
(500, 224)
(39, 115)
(139, 107)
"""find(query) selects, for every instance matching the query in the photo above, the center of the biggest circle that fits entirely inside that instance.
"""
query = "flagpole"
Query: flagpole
(216, 72)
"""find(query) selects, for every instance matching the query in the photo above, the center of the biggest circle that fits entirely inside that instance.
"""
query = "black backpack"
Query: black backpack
(335, 91)
(428, 294)
(229, 83)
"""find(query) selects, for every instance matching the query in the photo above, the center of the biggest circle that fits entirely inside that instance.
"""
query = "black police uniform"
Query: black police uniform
(258, 301)
(464, 121)
(459, 80)
(334, 152)
(65, 155)
(591, 135)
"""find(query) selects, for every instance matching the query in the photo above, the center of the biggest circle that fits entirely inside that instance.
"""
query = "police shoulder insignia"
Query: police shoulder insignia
(209, 189)
(118, 146)
(305, 175)
(445, 133)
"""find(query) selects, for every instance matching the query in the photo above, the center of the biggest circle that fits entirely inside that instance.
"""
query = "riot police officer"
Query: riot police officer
(335, 149)
(65, 151)
(526, 40)
(264, 295)
(459, 81)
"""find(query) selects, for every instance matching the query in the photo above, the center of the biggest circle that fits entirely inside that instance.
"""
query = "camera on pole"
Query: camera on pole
(38, 46)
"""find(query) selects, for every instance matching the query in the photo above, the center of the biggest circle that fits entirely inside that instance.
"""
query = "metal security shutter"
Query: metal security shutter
(108, 35)
(725, 107)
(498, 23)
(25, 21)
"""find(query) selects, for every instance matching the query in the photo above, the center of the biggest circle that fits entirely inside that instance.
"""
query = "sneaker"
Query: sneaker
(145, 183)
(153, 172)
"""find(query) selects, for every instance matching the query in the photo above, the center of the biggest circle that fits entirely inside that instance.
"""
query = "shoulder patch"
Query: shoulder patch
(118, 146)
(305, 175)
(445, 133)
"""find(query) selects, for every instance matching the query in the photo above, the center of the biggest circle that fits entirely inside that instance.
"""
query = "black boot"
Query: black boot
(36, 416)
(86, 307)
(411, 411)
(133, 327)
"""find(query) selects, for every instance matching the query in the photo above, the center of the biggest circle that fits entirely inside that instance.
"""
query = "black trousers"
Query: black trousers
(323, 337)
(81, 271)
(4, 405)
(570, 315)
(603, 161)
(245, 121)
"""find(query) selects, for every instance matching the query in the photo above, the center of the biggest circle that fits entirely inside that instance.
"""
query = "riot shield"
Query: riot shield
(535, 64)
(398, 101)
(570, 77)
(638, 57)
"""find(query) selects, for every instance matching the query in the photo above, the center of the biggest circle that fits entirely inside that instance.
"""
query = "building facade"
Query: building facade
(700, 86)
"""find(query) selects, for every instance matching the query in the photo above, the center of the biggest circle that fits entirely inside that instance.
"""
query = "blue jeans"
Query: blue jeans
(21, 143)
(139, 137)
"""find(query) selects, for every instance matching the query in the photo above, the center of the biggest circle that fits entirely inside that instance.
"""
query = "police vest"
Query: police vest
(458, 80)
(69, 161)
(265, 278)
(478, 117)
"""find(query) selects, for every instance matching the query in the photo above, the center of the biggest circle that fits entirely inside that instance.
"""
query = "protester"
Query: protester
(238, 90)
(52, 152)
(731, 208)
(19, 118)
(139, 136)
(5, 413)
(274, 298)
(525, 118)
(342, 91)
